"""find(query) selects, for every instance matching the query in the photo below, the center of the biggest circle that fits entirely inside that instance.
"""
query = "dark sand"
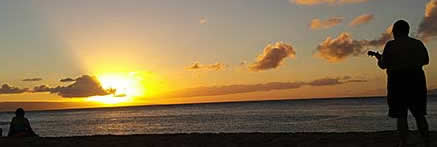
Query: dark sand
(375, 139)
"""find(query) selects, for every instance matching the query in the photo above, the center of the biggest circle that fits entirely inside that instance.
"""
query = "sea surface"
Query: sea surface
(321, 115)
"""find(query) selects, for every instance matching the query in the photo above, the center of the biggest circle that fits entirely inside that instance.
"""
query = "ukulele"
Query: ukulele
(375, 54)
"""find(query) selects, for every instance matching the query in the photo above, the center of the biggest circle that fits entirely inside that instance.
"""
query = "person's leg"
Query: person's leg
(402, 125)
(422, 125)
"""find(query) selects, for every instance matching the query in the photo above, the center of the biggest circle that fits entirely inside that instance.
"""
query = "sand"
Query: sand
(374, 139)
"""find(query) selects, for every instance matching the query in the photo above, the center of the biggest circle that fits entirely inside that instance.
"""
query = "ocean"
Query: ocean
(317, 115)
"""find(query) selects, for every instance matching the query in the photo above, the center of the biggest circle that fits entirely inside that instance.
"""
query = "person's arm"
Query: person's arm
(29, 127)
(382, 59)
(11, 127)
(424, 53)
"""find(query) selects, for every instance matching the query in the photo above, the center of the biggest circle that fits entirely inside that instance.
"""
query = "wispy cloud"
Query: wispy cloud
(208, 67)
(362, 19)
(337, 49)
(317, 24)
(244, 88)
(330, 2)
(428, 26)
(272, 56)
(32, 79)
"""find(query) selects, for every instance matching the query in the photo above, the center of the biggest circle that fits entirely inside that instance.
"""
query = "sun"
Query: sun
(126, 85)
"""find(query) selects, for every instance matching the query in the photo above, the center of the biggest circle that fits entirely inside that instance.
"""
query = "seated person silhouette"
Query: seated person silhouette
(403, 59)
(20, 125)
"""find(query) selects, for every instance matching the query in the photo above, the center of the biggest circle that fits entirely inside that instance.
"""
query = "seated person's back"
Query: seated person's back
(20, 125)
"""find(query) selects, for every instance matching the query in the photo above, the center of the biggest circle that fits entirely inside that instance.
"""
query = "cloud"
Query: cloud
(334, 81)
(84, 86)
(6, 89)
(428, 26)
(317, 24)
(330, 2)
(337, 49)
(203, 20)
(214, 67)
(32, 79)
(272, 56)
(67, 80)
(362, 19)
(41, 88)
(244, 88)
(383, 38)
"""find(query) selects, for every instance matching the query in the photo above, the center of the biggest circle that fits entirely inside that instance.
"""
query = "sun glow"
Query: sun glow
(127, 86)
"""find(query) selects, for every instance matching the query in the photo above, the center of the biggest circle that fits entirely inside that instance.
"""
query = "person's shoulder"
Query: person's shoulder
(390, 42)
(415, 40)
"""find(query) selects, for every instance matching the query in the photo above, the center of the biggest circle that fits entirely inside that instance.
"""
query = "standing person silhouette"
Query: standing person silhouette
(403, 59)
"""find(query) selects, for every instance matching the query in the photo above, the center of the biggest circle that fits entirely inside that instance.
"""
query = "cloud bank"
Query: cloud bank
(428, 26)
(362, 19)
(330, 2)
(213, 67)
(6, 89)
(244, 88)
(317, 24)
(272, 56)
(343, 46)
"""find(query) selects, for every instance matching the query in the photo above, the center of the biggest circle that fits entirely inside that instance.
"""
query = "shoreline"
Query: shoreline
(350, 139)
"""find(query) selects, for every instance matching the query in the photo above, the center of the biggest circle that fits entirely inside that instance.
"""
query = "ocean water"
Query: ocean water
(334, 115)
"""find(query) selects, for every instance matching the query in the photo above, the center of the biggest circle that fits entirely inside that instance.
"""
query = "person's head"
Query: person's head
(19, 112)
(401, 28)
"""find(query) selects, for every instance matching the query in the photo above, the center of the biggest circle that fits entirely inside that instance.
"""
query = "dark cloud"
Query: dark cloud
(67, 80)
(272, 56)
(41, 88)
(213, 67)
(6, 89)
(244, 88)
(325, 82)
(32, 79)
(337, 49)
(84, 86)
(428, 26)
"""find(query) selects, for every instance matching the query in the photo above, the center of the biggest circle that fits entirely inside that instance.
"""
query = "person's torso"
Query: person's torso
(20, 124)
(404, 54)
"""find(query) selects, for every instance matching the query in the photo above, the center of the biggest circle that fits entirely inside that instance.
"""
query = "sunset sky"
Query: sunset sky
(190, 51)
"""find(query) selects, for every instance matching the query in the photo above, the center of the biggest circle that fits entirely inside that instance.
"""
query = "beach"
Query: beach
(353, 139)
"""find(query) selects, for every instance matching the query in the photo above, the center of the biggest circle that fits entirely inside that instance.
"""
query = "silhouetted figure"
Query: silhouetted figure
(403, 59)
(20, 125)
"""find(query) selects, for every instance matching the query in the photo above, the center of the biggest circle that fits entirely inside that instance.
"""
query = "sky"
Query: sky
(193, 51)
